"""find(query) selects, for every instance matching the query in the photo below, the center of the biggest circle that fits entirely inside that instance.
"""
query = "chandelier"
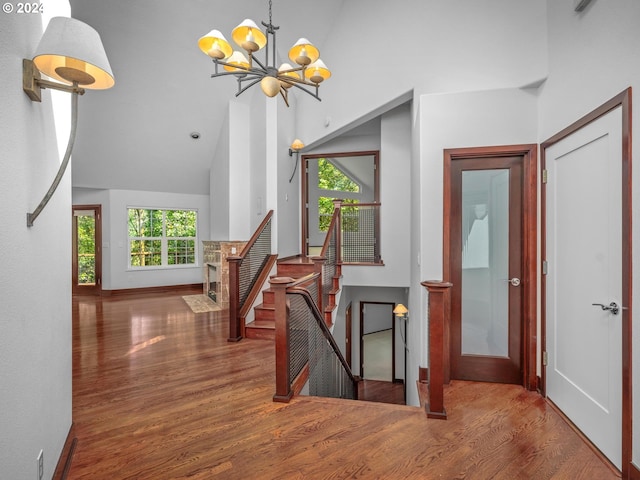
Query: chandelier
(248, 70)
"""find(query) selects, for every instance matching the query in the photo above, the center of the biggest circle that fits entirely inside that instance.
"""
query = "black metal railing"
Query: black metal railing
(303, 341)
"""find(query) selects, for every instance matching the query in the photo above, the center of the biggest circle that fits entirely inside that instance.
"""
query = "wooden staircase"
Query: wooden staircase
(263, 325)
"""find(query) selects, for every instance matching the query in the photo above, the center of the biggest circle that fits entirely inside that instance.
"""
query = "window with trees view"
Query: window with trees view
(331, 178)
(162, 237)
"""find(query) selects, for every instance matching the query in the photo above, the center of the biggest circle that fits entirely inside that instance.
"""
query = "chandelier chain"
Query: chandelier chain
(270, 3)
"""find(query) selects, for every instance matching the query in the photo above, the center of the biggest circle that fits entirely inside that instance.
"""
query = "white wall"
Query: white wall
(431, 46)
(487, 118)
(219, 186)
(395, 212)
(288, 208)
(116, 274)
(35, 278)
(593, 56)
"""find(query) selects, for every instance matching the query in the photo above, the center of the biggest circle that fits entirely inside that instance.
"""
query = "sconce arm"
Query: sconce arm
(31, 217)
(32, 82)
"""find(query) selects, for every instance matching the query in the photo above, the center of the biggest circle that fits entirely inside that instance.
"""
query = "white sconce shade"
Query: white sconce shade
(237, 58)
(71, 51)
(297, 145)
(317, 72)
(249, 36)
(303, 52)
(285, 71)
(400, 311)
(215, 45)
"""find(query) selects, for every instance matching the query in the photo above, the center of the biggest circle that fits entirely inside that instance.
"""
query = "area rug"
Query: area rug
(200, 303)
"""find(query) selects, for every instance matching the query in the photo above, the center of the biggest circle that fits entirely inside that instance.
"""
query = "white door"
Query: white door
(584, 254)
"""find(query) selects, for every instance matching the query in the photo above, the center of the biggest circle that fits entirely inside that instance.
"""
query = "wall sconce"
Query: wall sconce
(295, 147)
(69, 51)
(401, 312)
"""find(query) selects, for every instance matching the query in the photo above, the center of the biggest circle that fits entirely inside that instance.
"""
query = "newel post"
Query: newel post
(283, 375)
(438, 315)
(235, 335)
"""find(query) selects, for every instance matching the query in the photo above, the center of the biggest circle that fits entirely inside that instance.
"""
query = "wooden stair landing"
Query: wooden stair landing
(263, 326)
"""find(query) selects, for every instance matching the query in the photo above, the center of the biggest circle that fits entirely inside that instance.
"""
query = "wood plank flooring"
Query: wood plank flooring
(159, 393)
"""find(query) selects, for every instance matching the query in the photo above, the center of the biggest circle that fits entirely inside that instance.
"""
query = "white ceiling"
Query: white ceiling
(137, 134)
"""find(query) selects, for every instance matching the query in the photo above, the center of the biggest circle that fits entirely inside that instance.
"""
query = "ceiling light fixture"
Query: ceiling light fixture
(307, 76)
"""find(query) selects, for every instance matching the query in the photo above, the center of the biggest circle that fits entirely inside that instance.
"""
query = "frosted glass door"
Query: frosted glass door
(485, 262)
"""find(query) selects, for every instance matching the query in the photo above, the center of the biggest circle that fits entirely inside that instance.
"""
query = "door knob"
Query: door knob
(515, 281)
(612, 307)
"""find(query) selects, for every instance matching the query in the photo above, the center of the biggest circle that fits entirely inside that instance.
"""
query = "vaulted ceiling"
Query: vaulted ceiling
(137, 135)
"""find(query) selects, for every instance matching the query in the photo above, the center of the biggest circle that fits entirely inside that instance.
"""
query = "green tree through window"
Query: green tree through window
(162, 237)
(330, 177)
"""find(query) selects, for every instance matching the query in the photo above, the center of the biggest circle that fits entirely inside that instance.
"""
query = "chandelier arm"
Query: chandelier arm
(256, 71)
(293, 81)
(242, 90)
(259, 62)
(285, 97)
(314, 95)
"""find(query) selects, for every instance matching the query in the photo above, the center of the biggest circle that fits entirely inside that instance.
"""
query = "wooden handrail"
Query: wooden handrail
(256, 234)
(439, 313)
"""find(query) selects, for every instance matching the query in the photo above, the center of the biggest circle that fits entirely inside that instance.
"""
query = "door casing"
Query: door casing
(529, 154)
(623, 99)
(84, 289)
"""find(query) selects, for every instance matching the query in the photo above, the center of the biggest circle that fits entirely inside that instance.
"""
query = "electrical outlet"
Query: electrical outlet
(41, 465)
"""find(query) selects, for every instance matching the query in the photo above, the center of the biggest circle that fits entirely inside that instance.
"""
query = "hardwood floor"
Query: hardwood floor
(159, 393)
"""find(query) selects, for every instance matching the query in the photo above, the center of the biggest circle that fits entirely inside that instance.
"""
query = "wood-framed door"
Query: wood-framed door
(489, 255)
(86, 255)
(586, 252)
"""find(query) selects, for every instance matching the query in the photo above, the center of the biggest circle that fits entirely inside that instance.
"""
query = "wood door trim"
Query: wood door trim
(529, 152)
(97, 289)
(623, 100)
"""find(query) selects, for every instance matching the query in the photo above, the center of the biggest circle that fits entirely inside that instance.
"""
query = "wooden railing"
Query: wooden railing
(305, 348)
(438, 318)
(244, 272)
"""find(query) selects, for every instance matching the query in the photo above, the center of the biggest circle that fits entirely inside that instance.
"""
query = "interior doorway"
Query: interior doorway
(586, 294)
(490, 258)
(86, 256)
(377, 341)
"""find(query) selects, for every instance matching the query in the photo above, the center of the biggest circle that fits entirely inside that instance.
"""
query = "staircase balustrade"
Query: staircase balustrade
(244, 271)
(305, 344)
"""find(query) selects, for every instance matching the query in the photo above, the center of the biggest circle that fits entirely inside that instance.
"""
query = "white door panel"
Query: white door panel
(584, 238)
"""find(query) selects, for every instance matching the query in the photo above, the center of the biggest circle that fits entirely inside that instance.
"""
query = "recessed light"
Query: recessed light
(195, 135)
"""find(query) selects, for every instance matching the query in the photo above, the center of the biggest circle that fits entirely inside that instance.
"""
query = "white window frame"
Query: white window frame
(164, 241)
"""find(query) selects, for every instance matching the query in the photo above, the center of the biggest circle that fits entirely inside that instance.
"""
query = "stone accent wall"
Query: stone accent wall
(215, 253)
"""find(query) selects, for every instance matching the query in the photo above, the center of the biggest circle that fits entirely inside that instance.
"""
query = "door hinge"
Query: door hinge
(545, 359)
(545, 175)
(545, 267)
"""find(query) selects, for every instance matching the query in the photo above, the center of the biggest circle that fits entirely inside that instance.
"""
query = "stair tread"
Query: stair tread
(266, 324)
